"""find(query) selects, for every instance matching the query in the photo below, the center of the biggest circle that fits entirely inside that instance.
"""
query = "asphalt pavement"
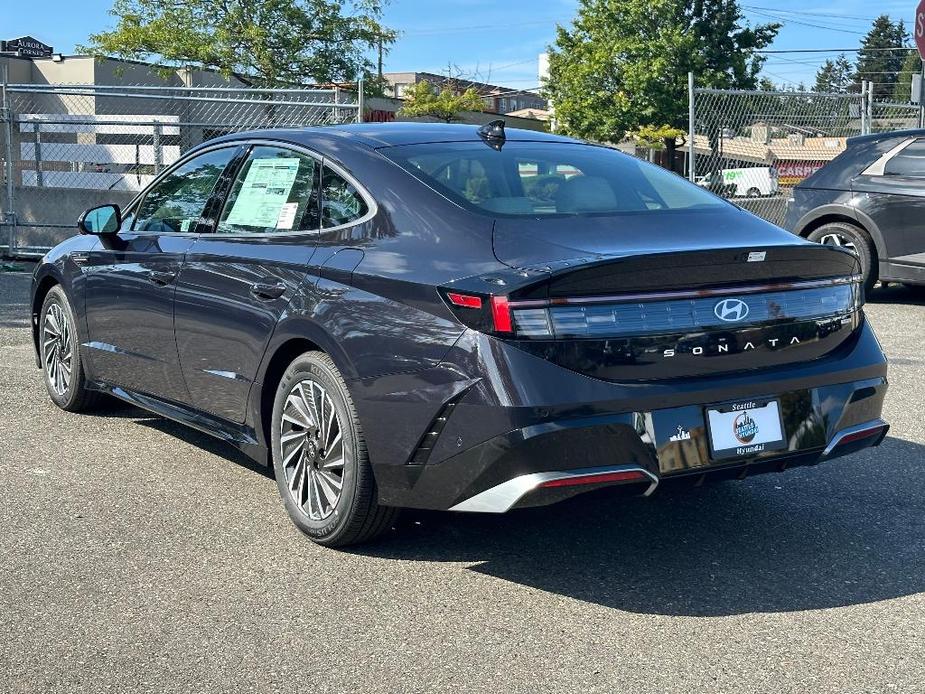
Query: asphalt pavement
(137, 555)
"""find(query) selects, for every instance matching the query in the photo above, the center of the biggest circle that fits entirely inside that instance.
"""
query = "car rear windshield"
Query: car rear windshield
(533, 179)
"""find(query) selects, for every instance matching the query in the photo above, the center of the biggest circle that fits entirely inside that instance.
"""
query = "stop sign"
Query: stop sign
(920, 28)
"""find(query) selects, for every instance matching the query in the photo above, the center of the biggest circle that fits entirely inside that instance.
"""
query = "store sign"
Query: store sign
(791, 172)
(27, 47)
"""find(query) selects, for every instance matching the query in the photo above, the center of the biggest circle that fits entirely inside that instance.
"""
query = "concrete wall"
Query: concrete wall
(57, 206)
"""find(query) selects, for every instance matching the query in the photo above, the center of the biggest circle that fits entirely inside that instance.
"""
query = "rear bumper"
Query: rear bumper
(540, 488)
(548, 429)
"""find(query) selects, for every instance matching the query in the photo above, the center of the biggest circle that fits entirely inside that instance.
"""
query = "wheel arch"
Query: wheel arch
(837, 213)
(291, 338)
(43, 284)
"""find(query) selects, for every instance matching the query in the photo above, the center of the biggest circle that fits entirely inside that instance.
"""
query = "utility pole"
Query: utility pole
(380, 59)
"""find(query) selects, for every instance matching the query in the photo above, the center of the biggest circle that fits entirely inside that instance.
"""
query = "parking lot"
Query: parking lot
(137, 555)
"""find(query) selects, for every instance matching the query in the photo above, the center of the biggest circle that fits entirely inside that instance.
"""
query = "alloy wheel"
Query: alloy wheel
(838, 240)
(312, 449)
(57, 348)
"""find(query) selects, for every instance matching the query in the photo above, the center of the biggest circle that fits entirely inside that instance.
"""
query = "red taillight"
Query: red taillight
(622, 476)
(464, 300)
(859, 435)
(501, 314)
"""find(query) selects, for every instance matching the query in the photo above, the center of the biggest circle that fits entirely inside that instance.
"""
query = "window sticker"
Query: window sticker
(264, 192)
(286, 217)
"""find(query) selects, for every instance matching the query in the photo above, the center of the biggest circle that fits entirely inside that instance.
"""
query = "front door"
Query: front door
(238, 280)
(131, 281)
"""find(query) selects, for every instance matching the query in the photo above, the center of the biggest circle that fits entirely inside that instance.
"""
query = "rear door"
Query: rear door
(131, 280)
(240, 276)
(892, 193)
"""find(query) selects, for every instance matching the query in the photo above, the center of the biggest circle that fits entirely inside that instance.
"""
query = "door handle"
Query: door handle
(161, 277)
(266, 291)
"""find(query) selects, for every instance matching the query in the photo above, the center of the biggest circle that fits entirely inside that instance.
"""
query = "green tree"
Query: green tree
(271, 43)
(912, 65)
(424, 100)
(835, 76)
(882, 55)
(623, 64)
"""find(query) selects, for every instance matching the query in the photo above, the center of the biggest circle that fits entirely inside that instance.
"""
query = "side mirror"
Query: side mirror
(105, 219)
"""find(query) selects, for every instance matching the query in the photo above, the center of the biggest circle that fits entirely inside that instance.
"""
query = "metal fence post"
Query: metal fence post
(39, 179)
(870, 107)
(921, 102)
(9, 209)
(360, 100)
(158, 152)
(691, 128)
(862, 105)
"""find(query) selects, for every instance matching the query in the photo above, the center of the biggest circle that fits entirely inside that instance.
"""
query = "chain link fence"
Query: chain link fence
(69, 147)
(754, 146)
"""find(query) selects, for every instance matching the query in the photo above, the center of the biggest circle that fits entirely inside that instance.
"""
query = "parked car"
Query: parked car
(393, 315)
(716, 183)
(752, 182)
(871, 200)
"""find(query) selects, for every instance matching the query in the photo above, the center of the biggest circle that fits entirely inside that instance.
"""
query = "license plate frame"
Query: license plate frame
(723, 425)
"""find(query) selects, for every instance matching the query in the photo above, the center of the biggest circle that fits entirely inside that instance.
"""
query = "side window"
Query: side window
(275, 190)
(341, 202)
(909, 162)
(175, 204)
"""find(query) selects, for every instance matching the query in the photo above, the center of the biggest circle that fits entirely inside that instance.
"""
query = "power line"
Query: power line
(808, 24)
(828, 15)
(834, 50)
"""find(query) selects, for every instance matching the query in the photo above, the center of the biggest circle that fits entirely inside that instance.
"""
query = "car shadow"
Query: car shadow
(846, 532)
(897, 294)
(816, 538)
(196, 438)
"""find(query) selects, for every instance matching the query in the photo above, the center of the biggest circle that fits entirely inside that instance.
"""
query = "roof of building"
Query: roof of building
(535, 113)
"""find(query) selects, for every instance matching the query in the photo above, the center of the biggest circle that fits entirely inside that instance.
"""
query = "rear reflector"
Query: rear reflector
(464, 300)
(501, 314)
(859, 435)
(604, 477)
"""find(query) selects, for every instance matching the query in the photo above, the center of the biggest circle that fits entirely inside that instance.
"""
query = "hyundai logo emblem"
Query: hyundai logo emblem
(731, 310)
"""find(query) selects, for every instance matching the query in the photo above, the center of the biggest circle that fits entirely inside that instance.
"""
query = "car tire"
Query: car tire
(753, 193)
(59, 351)
(314, 423)
(848, 235)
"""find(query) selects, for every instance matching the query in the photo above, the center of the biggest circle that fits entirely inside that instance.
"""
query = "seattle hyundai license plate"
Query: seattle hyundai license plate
(745, 428)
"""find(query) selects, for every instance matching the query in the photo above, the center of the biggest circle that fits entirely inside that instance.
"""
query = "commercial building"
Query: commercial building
(498, 99)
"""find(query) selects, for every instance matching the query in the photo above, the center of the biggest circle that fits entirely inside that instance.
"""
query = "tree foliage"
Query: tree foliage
(834, 76)
(623, 64)
(912, 65)
(272, 43)
(424, 100)
(882, 55)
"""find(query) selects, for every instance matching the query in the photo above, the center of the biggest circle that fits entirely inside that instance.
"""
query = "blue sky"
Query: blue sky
(500, 40)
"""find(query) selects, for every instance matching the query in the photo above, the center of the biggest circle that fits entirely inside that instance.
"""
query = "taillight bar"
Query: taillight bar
(686, 294)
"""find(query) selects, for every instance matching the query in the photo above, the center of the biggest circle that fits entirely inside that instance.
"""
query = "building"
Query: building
(498, 99)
